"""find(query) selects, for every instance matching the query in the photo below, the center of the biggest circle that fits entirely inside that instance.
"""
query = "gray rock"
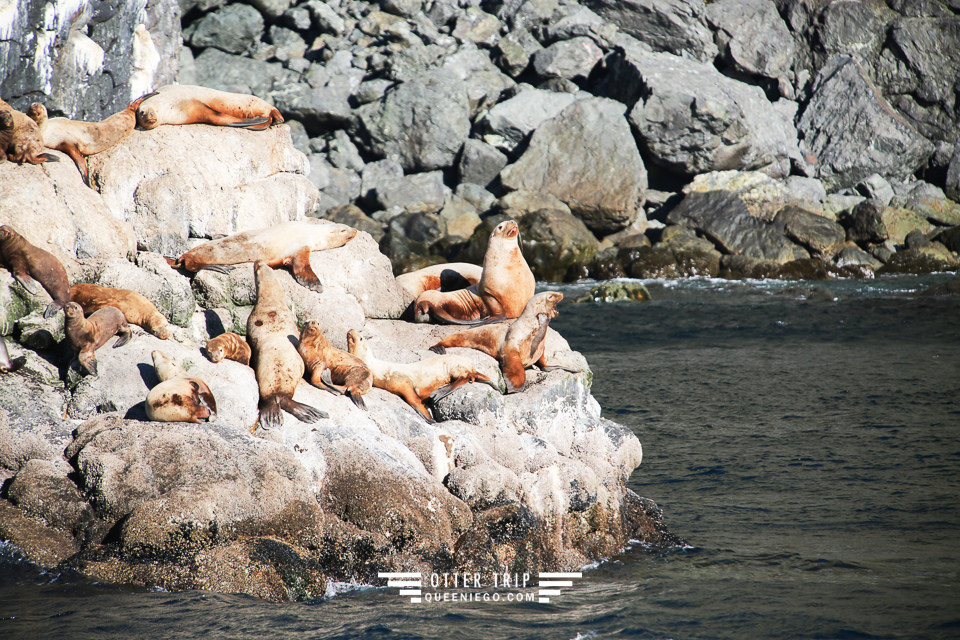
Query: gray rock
(475, 25)
(674, 26)
(864, 223)
(513, 51)
(325, 18)
(572, 59)
(485, 83)
(227, 72)
(753, 37)
(556, 244)
(875, 187)
(691, 119)
(320, 107)
(853, 132)
(379, 176)
(858, 258)
(234, 28)
(509, 123)
(581, 21)
(819, 235)
(849, 29)
(480, 163)
(424, 122)
(414, 193)
(586, 157)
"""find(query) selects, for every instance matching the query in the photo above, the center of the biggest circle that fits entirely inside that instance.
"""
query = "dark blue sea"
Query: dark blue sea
(804, 438)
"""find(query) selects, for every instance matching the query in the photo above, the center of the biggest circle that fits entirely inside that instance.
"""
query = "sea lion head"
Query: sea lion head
(550, 300)
(6, 121)
(506, 229)
(341, 235)
(73, 310)
(215, 351)
(147, 116)
(37, 112)
(7, 232)
(424, 305)
(310, 329)
(356, 345)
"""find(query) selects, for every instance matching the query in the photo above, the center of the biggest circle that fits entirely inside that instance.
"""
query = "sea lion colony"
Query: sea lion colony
(501, 291)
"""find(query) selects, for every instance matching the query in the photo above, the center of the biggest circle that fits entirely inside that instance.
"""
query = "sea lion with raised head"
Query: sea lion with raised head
(86, 335)
(8, 364)
(178, 397)
(348, 373)
(20, 139)
(506, 284)
(272, 331)
(135, 307)
(79, 139)
(190, 104)
(30, 264)
(286, 244)
(449, 276)
(416, 382)
(516, 345)
(230, 346)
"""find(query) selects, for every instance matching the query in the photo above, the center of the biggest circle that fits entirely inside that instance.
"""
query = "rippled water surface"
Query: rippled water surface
(804, 439)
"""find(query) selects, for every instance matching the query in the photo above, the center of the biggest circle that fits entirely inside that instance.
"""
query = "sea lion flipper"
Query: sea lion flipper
(250, 123)
(205, 399)
(543, 322)
(300, 411)
(514, 374)
(27, 283)
(357, 400)
(438, 348)
(52, 309)
(219, 268)
(46, 157)
(270, 416)
(123, 337)
(15, 364)
(302, 271)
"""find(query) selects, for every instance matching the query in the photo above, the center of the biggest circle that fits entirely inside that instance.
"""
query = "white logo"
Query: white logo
(548, 580)
(409, 584)
(473, 587)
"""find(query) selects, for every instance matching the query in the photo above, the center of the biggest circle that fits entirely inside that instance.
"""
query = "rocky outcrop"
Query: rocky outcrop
(518, 482)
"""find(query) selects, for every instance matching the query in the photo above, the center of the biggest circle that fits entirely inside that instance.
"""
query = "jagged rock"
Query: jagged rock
(673, 26)
(753, 38)
(692, 119)
(227, 72)
(875, 187)
(509, 123)
(572, 59)
(581, 22)
(513, 51)
(587, 158)
(234, 28)
(320, 107)
(854, 256)
(848, 29)
(762, 195)
(819, 235)
(485, 83)
(477, 26)
(859, 134)
(480, 163)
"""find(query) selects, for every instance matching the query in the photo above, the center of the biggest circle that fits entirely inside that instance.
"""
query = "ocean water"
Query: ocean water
(804, 438)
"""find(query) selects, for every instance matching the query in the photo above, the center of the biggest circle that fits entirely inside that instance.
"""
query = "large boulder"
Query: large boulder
(753, 38)
(674, 26)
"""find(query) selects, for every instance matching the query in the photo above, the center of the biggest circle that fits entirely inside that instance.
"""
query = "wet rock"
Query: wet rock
(819, 235)
(601, 176)
(854, 256)
(864, 223)
(616, 292)
(932, 258)
(554, 243)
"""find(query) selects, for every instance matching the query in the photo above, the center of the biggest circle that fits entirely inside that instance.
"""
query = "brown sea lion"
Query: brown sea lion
(516, 345)
(447, 277)
(285, 244)
(8, 365)
(505, 285)
(86, 335)
(20, 139)
(230, 346)
(79, 139)
(415, 382)
(271, 331)
(29, 264)
(348, 374)
(190, 104)
(135, 307)
(178, 397)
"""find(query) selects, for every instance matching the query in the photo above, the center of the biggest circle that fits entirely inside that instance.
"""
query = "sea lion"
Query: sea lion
(348, 374)
(79, 139)
(135, 307)
(178, 397)
(230, 346)
(29, 264)
(190, 104)
(285, 244)
(86, 335)
(416, 382)
(446, 277)
(506, 284)
(8, 365)
(20, 139)
(271, 330)
(516, 345)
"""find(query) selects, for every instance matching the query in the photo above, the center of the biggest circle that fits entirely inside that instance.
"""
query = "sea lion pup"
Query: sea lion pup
(178, 397)
(79, 139)
(20, 139)
(348, 374)
(86, 335)
(230, 346)
(8, 365)
(285, 244)
(190, 104)
(446, 277)
(135, 307)
(30, 264)
(278, 366)
(505, 285)
(415, 382)
(516, 345)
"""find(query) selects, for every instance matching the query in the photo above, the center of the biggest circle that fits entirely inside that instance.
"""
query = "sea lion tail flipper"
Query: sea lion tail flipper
(47, 157)
(442, 392)
(251, 123)
(52, 309)
(123, 337)
(302, 271)
(88, 363)
(357, 399)
(438, 348)
(557, 367)
(300, 411)
(442, 316)
(487, 381)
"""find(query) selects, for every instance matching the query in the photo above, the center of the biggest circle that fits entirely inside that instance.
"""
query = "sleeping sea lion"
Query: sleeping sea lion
(8, 365)
(178, 397)
(29, 264)
(516, 345)
(348, 374)
(79, 139)
(190, 104)
(415, 382)
(506, 284)
(86, 335)
(20, 139)
(449, 276)
(135, 307)
(285, 244)
(271, 330)
(230, 346)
